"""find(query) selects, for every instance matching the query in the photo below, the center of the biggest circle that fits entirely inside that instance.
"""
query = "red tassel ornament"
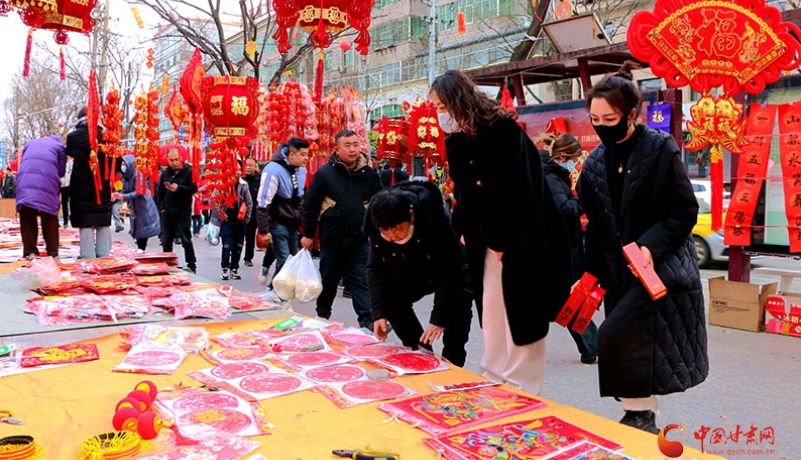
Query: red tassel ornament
(26, 66)
(318, 77)
(62, 66)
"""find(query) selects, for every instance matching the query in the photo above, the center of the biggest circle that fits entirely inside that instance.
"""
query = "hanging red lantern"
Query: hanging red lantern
(112, 121)
(323, 19)
(392, 140)
(425, 135)
(61, 16)
(230, 105)
(344, 44)
(461, 25)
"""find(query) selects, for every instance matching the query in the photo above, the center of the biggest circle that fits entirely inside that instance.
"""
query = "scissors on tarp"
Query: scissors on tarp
(365, 455)
(5, 417)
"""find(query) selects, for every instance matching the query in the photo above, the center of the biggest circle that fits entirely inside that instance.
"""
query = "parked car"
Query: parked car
(708, 243)
(703, 192)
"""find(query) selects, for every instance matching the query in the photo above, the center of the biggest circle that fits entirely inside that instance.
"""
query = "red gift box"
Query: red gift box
(575, 300)
(648, 276)
(783, 314)
(591, 304)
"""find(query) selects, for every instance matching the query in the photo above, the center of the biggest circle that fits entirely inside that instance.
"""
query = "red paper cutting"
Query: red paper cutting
(373, 390)
(412, 362)
(231, 371)
(337, 373)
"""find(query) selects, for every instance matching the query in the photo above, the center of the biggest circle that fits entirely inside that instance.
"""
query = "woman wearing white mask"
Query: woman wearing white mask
(509, 223)
(559, 158)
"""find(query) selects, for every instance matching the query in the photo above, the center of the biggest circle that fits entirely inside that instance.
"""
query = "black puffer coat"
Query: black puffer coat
(503, 204)
(84, 209)
(559, 182)
(646, 347)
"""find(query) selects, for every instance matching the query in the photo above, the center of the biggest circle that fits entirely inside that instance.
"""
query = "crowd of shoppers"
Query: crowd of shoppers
(394, 240)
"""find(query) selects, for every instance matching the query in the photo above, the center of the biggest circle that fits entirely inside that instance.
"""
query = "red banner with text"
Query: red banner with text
(752, 168)
(790, 150)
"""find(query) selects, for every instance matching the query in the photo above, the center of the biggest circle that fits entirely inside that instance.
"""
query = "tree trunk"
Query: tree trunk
(523, 49)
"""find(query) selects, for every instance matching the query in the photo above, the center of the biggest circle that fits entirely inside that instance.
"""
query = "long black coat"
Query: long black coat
(85, 210)
(646, 347)
(559, 182)
(502, 203)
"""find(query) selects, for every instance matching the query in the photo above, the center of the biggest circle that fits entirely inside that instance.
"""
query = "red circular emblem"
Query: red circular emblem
(227, 420)
(339, 373)
(413, 362)
(205, 400)
(269, 383)
(368, 389)
(314, 358)
(236, 370)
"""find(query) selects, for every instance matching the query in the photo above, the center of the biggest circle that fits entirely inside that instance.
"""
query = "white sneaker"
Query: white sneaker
(263, 276)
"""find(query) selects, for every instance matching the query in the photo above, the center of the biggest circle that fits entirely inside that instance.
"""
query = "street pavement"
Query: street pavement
(752, 385)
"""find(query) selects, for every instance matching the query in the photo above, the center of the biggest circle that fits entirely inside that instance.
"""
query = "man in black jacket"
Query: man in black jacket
(390, 176)
(337, 198)
(174, 195)
(414, 252)
(253, 178)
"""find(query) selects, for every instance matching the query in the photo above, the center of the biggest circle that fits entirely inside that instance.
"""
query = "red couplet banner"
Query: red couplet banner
(790, 150)
(752, 168)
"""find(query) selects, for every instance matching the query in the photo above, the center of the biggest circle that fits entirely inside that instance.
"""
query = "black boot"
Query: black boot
(644, 420)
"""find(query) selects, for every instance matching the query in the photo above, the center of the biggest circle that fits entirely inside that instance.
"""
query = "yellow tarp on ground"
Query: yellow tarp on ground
(63, 407)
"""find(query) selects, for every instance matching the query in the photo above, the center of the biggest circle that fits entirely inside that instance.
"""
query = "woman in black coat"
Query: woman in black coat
(509, 224)
(635, 188)
(92, 218)
(559, 159)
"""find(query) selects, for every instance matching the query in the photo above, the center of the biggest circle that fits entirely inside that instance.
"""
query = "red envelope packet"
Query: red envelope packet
(575, 300)
(73, 353)
(648, 276)
(588, 309)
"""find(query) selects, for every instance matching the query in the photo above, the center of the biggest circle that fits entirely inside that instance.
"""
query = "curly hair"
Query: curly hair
(470, 107)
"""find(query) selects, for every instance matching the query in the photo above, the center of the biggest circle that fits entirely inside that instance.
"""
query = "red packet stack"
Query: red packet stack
(584, 300)
(74, 353)
(648, 276)
(575, 300)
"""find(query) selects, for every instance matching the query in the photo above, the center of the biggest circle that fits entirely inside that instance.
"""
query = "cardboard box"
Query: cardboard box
(738, 305)
(783, 314)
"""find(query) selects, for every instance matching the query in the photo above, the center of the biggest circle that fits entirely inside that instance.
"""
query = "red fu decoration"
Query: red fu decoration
(425, 135)
(61, 16)
(230, 105)
(736, 44)
(392, 141)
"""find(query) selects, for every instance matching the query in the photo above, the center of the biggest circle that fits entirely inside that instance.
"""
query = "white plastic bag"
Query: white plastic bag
(213, 235)
(40, 272)
(299, 278)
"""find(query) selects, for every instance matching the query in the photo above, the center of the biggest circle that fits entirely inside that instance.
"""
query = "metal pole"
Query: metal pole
(432, 39)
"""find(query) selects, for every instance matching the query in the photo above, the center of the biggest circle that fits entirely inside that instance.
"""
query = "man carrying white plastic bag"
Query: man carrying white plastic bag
(298, 279)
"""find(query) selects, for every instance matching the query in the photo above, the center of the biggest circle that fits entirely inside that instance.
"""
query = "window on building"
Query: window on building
(419, 28)
(389, 34)
(382, 3)
(650, 84)
(447, 16)
(329, 61)
(347, 58)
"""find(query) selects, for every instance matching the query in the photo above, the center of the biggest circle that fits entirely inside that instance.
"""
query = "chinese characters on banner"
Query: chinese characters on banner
(751, 172)
(659, 117)
(790, 152)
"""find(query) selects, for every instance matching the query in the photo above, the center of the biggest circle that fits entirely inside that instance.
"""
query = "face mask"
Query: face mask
(568, 166)
(611, 135)
(448, 123)
(406, 239)
(123, 168)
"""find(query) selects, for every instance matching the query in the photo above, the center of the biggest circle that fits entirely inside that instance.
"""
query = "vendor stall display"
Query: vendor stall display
(497, 417)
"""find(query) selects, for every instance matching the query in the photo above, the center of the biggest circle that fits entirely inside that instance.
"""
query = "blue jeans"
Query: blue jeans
(285, 242)
(350, 263)
(232, 235)
(95, 242)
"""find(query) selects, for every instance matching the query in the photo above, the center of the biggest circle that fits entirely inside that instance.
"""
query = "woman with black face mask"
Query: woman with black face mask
(635, 188)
